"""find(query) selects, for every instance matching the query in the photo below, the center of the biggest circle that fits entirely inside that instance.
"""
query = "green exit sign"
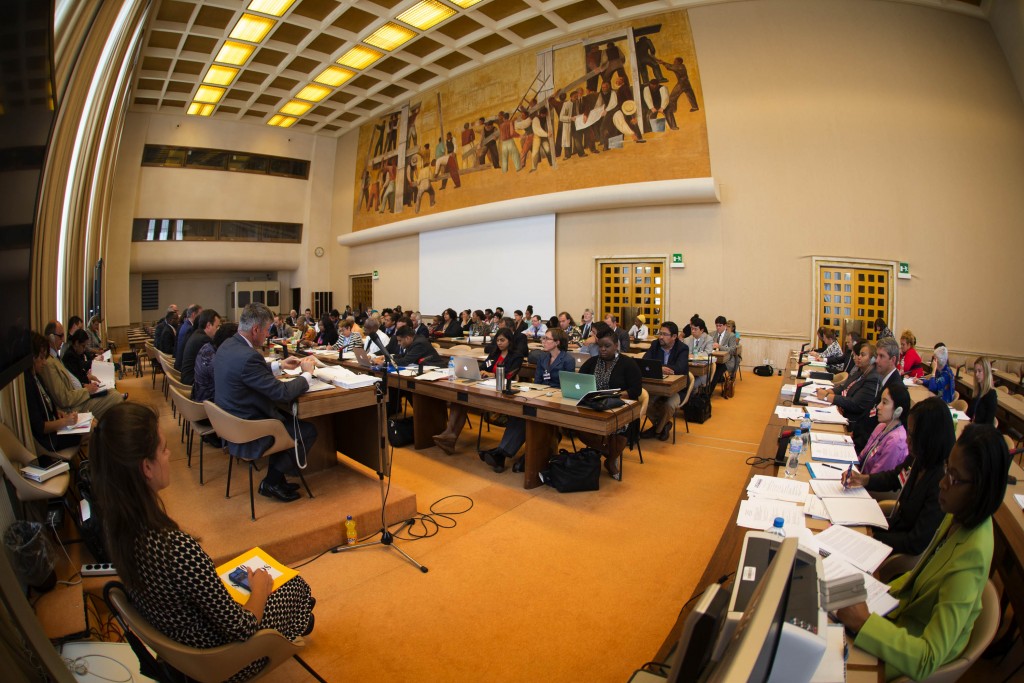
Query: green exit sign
(904, 273)
(677, 261)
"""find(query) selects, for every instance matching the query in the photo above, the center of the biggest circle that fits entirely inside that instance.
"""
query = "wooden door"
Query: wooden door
(628, 288)
(361, 292)
(852, 297)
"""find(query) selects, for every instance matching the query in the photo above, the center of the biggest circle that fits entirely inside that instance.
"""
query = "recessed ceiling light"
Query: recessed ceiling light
(234, 53)
(274, 7)
(389, 36)
(333, 76)
(208, 93)
(359, 57)
(252, 28)
(281, 121)
(296, 108)
(220, 75)
(200, 109)
(313, 93)
(464, 4)
(426, 14)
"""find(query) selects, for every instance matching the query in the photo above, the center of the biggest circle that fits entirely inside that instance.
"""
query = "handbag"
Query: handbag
(764, 371)
(728, 385)
(697, 409)
(400, 432)
(579, 471)
(602, 403)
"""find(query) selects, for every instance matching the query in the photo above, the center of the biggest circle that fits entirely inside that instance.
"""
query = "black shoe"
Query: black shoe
(309, 626)
(649, 433)
(124, 396)
(496, 459)
(290, 486)
(519, 465)
(277, 491)
(663, 436)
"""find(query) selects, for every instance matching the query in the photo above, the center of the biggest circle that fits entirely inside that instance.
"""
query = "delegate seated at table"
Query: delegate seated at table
(674, 357)
(982, 409)
(856, 396)
(942, 383)
(940, 599)
(886, 448)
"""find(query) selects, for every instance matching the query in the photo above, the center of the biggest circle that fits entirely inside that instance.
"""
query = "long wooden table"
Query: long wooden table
(1009, 410)
(346, 423)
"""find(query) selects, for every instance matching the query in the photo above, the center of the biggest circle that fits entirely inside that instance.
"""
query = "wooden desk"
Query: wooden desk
(544, 412)
(1009, 410)
(346, 422)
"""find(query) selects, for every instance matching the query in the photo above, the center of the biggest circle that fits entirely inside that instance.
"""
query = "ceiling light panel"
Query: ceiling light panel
(389, 36)
(296, 108)
(464, 4)
(275, 8)
(313, 93)
(426, 14)
(281, 121)
(200, 109)
(234, 53)
(333, 76)
(252, 28)
(208, 93)
(220, 75)
(359, 57)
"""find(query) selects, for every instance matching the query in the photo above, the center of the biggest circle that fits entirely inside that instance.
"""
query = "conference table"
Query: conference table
(1009, 408)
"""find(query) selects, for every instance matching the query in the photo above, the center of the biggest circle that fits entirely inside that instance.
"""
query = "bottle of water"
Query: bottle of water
(350, 531)
(805, 429)
(451, 367)
(776, 528)
(796, 447)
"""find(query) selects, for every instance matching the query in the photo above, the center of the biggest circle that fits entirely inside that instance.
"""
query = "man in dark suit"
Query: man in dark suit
(246, 387)
(622, 335)
(184, 332)
(887, 352)
(412, 349)
(165, 341)
(419, 328)
(207, 325)
(674, 356)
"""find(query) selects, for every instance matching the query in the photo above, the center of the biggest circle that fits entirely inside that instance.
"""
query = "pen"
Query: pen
(849, 471)
(831, 466)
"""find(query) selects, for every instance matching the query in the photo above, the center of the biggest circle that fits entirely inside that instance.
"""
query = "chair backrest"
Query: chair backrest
(959, 404)
(176, 383)
(167, 363)
(237, 430)
(645, 399)
(840, 377)
(151, 351)
(981, 635)
(206, 665)
(689, 390)
(189, 409)
(13, 456)
(1003, 388)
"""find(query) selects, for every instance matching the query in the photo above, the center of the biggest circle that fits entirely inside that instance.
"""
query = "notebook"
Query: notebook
(467, 367)
(576, 385)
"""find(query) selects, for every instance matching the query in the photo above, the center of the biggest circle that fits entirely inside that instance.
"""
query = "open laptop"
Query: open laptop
(467, 367)
(575, 385)
(362, 356)
(650, 368)
(580, 358)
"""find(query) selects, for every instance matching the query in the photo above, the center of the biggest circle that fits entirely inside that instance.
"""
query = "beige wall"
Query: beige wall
(207, 289)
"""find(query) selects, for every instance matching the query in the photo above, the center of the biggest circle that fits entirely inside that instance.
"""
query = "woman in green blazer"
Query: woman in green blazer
(941, 597)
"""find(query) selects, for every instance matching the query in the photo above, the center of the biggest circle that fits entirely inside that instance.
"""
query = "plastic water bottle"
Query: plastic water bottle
(451, 367)
(805, 428)
(350, 531)
(796, 447)
(776, 528)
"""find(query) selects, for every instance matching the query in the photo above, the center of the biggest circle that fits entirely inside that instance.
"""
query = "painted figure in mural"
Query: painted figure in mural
(423, 185)
(468, 146)
(507, 134)
(645, 58)
(411, 138)
(524, 125)
(615, 64)
(364, 189)
(378, 133)
(387, 195)
(489, 142)
(682, 84)
(374, 192)
(608, 100)
(624, 120)
(595, 63)
(570, 110)
(555, 103)
(446, 165)
(590, 126)
(655, 101)
(391, 141)
(541, 139)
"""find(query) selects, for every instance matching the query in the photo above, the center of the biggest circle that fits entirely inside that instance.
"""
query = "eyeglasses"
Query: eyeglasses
(665, 334)
(953, 481)
(547, 338)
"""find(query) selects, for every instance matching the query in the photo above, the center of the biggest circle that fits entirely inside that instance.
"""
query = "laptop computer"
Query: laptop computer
(362, 356)
(580, 358)
(467, 367)
(650, 368)
(576, 385)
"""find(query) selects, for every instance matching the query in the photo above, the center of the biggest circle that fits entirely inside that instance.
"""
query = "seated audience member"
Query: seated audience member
(639, 332)
(552, 322)
(685, 333)
(725, 341)
(184, 332)
(942, 383)
(45, 418)
(700, 342)
(202, 376)
(74, 325)
(917, 514)
(611, 370)
(554, 361)
(374, 341)
(910, 361)
(821, 344)
(833, 354)
(520, 346)
(848, 363)
(280, 329)
(418, 326)
(537, 328)
(293, 318)
(306, 332)
(437, 327)
(76, 359)
(247, 388)
(347, 337)
(465, 322)
(586, 322)
(404, 321)
(589, 344)
(982, 409)
(411, 349)
(501, 356)
(452, 328)
(886, 448)
(675, 360)
(568, 326)
(520, 323)
(856, 396)
(612, 321)
(731, 325)
(207, 325)
(328, 333)
(478, 327)
(882, 330)
(96, 344)
(68, 394)
(168, 576)
(940, 599)
(168, 334)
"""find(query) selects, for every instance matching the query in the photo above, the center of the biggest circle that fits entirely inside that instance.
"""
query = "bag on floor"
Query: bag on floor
(400, 432)
(729, 385)
(568, 472)
(697, 409)
(764, 370)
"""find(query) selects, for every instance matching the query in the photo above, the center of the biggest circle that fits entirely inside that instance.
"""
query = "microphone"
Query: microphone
(800, 368)
(796, 396)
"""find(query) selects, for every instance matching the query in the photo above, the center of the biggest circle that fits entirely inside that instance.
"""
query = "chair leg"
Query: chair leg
(252, 498)
(227, 491)
(303, 480)
(188, 448)
(308, 668)
(200, 461)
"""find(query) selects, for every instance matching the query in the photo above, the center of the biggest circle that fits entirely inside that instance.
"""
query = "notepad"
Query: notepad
(831, 437)
(823, 470)
(856, 512)
(845, 454)
(104, 372)
(83, 426)
(256, 558)
(759, 513)
(860, 550)
(835, 489)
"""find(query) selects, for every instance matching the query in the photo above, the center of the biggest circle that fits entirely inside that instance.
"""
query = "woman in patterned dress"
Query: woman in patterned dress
(170, 578)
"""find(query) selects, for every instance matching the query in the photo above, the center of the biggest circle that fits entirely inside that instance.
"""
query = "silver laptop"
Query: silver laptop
(580, 358)
(575, 385)
(467, 367)
(362, 356)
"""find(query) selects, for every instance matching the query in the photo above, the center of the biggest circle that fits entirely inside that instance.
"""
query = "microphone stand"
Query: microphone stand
(383, 468)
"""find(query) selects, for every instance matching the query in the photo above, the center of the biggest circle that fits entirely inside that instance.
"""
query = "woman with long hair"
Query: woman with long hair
(169, 577)
(982, 409)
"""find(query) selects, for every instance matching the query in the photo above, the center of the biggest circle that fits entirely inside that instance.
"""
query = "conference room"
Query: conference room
(785, 164)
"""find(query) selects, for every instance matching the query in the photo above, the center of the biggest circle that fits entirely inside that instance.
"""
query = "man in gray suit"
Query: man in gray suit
(246, 387)
(723, 340)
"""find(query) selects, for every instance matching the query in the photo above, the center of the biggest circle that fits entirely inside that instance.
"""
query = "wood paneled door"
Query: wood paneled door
(627, 288)
(851, 297)
(361, 292)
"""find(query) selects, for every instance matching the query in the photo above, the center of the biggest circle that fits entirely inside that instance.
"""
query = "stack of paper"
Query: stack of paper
(814, 507)
(878, 599)
(104, 372)
(860, 550)
(38, 473)
(83, 426)
(788, 412)
(759, 513)
(830, 415)
(959, 415)
(832, 488)
(841, 584)
(345, 378)
(856, 512)
(777, 488)
(827, 452)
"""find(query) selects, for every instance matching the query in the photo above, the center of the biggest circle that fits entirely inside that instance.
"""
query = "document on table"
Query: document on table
(830, 415)
(104, 372)
(831, 437)
(812, 399)
(856, 512)
(879, 600)
(959, 415)
(832, 667)
(814, 507)
(777, 488)
(760, 513)
(788, 412)
(823, 470)
(345, 378)
(835, 489)
(828, 452)
(83, 426)
(1019, 498)
(860, 550)
(433, 375)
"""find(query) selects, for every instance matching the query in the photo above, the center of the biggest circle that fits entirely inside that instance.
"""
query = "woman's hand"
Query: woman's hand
(854, 616)
(70, 420)
(851, 478)
(260, 585)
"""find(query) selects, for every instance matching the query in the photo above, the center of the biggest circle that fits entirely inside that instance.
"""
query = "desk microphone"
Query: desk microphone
(800, 369)
(796, 396)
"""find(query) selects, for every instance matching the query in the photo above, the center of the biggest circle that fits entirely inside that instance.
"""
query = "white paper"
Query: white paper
(860, 550)
(856, 512)
(760, 513)
(788, 412)
(831, 437)
(823, 470)
(909, 381)
(83, 426)
(433, 375)
(832, 667)
(879, 601)
(959, 415)
(1019, 498)
(814, 507)
(828, 415)
(104, 372)
(827, 452)
(107, 356)
(777, 488)
(834, 489)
